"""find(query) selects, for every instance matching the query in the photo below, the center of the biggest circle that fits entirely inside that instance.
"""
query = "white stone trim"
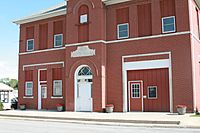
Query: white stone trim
(53, 97)
(149, 37)
(111, 2)
(42, 64)
(26, 97)
(83, 51)
(149, 64)
(107, 42)
(127, 66)
(129, 39)
(85, 43)
(40, 51)
(39, 91)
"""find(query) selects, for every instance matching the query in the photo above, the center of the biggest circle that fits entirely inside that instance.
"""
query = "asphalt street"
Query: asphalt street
(25, 126)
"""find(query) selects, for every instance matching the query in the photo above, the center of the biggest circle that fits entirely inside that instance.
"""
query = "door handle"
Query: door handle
(144, 96)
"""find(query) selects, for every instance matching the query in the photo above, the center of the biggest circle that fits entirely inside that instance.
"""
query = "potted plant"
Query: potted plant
(109, 108)
(22, 106)
(60, 107)
(1, 106)
(181, 109)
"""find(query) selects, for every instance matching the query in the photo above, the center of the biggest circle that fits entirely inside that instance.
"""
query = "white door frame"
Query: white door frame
(76, 77)
(141, 91)
(142, 65)
(39, 90)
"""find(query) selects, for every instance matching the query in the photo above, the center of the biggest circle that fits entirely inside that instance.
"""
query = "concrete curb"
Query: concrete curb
(152, 122)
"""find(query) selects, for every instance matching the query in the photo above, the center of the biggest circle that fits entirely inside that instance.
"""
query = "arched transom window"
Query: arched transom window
(85, 71)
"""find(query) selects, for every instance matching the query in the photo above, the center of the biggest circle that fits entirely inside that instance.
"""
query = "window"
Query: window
(30, 45)
(44, 91)
(58, 40)
(84, 71)
(84, 18)
(135, 90)
(152, 92)
(168, 24)
(122, 31)
(4, 96)
(57, 88)
(29, 89)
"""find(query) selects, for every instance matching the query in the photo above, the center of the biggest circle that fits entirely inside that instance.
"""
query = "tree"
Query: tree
(10, 82)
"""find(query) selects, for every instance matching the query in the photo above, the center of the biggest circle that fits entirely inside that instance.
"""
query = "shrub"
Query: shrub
(1, 106)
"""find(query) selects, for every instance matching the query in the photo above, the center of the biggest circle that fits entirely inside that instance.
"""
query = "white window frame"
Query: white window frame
(132, 90)
(82, 18)
(27, 45)
(163, 24)
(118, 30)
(54, 88)
(156, 92)
(26, 94)
(55, 40)
(5, 95)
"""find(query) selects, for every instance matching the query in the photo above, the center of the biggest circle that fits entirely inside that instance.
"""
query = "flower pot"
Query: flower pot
(109, 108)
(22, 107)
(181, 110)
(60, 108)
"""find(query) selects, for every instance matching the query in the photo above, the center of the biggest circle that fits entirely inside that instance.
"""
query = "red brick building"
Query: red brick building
(140, 55)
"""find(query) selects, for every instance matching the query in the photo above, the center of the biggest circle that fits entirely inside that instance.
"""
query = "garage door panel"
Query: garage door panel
(154, 77)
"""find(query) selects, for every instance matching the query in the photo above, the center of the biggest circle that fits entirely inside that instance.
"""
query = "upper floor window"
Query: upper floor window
(83, 18)
(58, 40)
(29, 89)
(122, 31)
(30, 45)
(168, 24)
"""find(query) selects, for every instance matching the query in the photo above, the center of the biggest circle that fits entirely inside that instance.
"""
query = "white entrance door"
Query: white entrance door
(84, 96)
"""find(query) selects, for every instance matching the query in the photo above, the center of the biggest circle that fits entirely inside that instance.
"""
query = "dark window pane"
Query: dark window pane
(152, 92)
(168, 21)
(168, 28)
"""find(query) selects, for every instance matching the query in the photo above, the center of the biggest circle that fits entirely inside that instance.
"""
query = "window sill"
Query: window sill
(57, 46)
(27, 97)
(54, 97)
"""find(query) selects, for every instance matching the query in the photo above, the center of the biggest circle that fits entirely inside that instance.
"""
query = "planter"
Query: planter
(109, 108)
(60, 108)
(22, 107)
(181, 109)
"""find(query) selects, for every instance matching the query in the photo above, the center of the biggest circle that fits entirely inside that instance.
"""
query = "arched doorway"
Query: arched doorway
(83, 89)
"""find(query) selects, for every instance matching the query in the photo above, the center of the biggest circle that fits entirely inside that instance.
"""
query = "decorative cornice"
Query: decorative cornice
(83, 51)
(54, 11)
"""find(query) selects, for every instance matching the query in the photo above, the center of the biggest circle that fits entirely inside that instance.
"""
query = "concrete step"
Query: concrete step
(152, 122)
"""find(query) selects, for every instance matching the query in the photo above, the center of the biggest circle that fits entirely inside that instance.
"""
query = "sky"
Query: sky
(9, 32)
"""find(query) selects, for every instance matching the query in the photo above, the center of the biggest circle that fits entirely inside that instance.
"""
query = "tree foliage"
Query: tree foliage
(10, 82)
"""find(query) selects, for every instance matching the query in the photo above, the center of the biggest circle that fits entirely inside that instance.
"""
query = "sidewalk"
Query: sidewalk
(126, 119)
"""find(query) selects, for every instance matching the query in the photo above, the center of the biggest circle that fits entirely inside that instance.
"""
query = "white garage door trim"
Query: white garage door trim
(142, 65)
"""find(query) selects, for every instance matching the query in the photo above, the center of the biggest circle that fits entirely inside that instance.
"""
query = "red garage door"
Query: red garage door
(149, 90)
